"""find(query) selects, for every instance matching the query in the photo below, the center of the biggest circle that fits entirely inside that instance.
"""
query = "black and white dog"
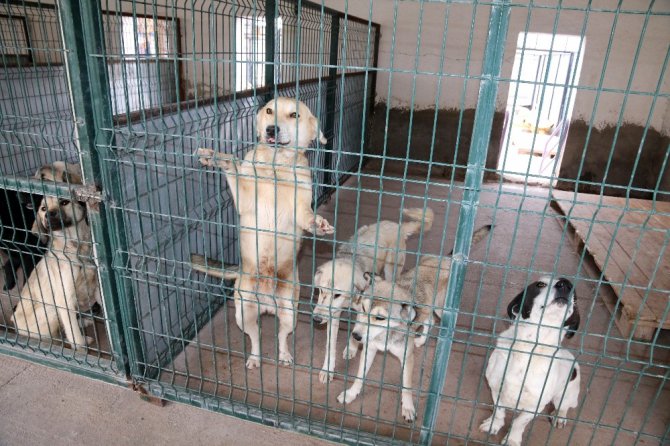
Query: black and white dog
(23, 247)
(528, 368)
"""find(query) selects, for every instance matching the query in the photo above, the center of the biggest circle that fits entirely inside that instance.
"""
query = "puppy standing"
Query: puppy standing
(65, 281)
(379, 247)
(528, 368)
(385, 323)
(272, 190)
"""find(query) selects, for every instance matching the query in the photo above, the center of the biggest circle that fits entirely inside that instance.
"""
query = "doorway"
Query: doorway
(539, 106)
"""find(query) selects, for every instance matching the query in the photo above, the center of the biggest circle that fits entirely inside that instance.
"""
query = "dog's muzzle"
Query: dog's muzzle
(357, 336)
(272, 134)
(55, 221)
(318, 319)
(563, 291)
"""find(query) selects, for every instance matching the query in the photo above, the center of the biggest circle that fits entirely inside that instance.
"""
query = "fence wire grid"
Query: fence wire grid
(471, 149)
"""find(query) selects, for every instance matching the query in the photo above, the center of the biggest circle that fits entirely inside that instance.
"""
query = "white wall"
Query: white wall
(400, 55)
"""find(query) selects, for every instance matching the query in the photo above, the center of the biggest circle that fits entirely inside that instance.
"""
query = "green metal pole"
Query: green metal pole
(83, 36)
(481, 133)
(331, 97)
(270, 19)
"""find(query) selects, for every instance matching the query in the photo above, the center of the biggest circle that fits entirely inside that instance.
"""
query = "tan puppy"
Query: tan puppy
(272, 190)
(388, 313)
(374, 248)
(384, 324)
(65, 281)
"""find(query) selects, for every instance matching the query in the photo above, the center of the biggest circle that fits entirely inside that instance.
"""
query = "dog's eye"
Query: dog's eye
(541, 284)
(64, 202)
(380, 318)
(336, 296)
(43, 209)
(294, 115)
(268, 111)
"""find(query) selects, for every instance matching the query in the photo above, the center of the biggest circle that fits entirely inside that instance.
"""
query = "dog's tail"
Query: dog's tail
(214, 267)
(479, 235)
(418, 219)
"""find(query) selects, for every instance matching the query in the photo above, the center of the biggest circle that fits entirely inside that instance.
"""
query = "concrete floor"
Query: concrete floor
(612, 395)
(215, 365)
(44, 406)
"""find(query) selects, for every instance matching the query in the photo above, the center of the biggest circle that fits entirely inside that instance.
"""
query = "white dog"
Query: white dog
(272, 190)
(528, 368)
(388, 313)
(384, 324)
(374, 248)
(65, 281)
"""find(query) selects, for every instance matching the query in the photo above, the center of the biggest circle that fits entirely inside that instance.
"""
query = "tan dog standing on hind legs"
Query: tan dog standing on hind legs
(272, 190)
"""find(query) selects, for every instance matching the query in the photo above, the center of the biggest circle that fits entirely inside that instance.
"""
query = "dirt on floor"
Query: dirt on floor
(447, 135)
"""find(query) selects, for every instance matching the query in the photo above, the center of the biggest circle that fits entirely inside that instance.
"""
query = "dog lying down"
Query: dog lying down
(375, 248)
(528, 368)
(65, 282)
(389, 311)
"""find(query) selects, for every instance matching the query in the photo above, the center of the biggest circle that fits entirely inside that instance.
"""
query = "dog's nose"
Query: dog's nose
(563, 284)
(357, 336)
(318, 319)
(53, 213)
(272, 130)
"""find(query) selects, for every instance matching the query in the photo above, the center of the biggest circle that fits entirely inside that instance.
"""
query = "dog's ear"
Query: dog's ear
(71, 177)
(39, 230)
(361, 282)
(317, 277)
(572, 322)
(408, 313)
(515, 307)
(316, 130)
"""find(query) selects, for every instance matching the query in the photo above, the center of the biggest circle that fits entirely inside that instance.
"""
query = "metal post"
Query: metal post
(331, 89)
(83, 35)
(481, 134)
(270, 19)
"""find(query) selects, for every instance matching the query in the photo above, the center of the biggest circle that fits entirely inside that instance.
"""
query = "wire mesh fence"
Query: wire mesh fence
(51, 301)
(472, 152)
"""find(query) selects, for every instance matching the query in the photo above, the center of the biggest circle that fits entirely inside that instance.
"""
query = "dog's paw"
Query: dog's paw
(325, 376)
(206, 156)
(285, 358)
(419, 341)
(347, 396)
(320, 226)
(489, 426)
(253, 363)
(508, 441)
(349, 353)
(557, 421)
(409, 413)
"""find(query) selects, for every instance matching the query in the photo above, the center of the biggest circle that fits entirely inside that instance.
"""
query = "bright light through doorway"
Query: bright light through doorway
(539, 107)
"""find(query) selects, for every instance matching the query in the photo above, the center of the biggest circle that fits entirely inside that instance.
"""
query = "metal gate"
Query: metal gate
(131, 89)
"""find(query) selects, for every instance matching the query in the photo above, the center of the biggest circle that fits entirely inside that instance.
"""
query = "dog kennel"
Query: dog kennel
(548, 120)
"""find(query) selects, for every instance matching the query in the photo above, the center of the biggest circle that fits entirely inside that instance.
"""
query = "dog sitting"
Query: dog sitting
(374, 248)
(272, 191)
(65, 281)
(528, 368)
(23, 248)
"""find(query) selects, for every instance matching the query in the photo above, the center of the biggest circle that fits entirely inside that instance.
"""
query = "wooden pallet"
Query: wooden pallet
(626, 240)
